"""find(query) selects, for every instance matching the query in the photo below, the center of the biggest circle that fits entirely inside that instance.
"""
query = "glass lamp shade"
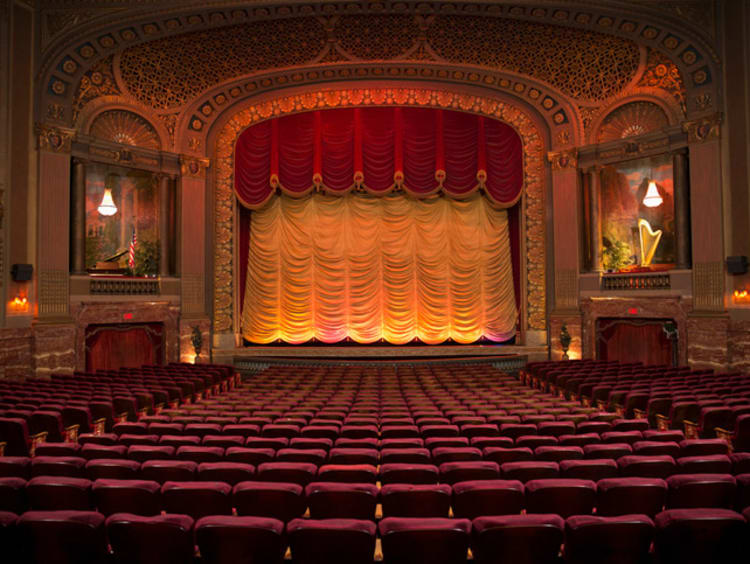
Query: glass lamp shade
(107, 207)
(652, 199)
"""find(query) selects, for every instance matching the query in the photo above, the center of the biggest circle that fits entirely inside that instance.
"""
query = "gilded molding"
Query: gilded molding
(225, 201)
(704, 129)
(53, 138)
(193, 167)
(561, 160)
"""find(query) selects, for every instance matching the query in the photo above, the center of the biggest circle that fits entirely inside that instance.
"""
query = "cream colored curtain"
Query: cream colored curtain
(379, 267)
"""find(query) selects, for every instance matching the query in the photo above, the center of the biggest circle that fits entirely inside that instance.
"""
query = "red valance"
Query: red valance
(421, 150)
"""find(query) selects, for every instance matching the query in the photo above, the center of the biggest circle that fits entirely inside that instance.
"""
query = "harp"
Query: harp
(649, 241)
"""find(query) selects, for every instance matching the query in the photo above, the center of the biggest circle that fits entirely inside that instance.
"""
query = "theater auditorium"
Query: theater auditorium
(374, 282)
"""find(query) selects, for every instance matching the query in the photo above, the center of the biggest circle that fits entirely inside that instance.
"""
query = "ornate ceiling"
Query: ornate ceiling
(180, 63)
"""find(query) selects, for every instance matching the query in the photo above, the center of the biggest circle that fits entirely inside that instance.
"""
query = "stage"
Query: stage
(253, 358)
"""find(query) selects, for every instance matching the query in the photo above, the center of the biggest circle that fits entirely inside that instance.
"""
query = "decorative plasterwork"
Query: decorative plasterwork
(421, 21)
(703, 129)
(631, 120)
(662, 73)
(193, 167)
(53, 138)
(224, 199)
(561, 160)
(199, 116)
(126, 128)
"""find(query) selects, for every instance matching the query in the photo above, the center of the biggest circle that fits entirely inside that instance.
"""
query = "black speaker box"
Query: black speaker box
(21, 272)
(737, 264)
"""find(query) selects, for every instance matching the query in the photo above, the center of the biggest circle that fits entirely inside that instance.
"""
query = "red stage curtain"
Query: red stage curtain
(633, 340)
(123, 345)
(419, 149)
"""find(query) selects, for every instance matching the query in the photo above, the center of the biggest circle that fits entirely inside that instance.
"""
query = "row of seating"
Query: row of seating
(161, 469)
(329, 500)
(683, 536)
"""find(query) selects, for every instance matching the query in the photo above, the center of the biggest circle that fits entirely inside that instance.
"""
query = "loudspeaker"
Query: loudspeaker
(21, 272)
(737, 264)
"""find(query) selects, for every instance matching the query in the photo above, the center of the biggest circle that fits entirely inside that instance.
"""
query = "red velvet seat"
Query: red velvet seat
(200, 454)
(142, 453)
(331, 541)
(349, 473)
(409, 474)
(592, 469)
(140, 497)
(117, 469)
(229, 540)
(230, 472)
(405, 455)
(90, 451)
(328, 500)
(296, 472)
(624, 496)
(452, 472)
(455, 454)
(703, 447)
(168, 470)
(564, 497)
(161, 539)
(611, 450)
(580, 440)
(656, 448)
(647, 466)
(280, 500)
(62, 537)
(501, 455)
(558, 453)
(698, 536)
(55, 493)
(254, 456)
(533, 470)
(520, 539)
(709, 464)
(615, 540)
(15, 467)
(701, 490)
(415, 500)
(71, 466)
(338, 455)
(197, 499)
(9, 538)
(629, 437)
(475, 498)
(13, 497)
(408, 540)
(313, 456)
(57, 449)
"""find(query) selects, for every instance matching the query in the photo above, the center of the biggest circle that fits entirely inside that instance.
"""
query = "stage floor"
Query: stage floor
(253, 355)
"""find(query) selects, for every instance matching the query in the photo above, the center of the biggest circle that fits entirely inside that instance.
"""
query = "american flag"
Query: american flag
(131, 250)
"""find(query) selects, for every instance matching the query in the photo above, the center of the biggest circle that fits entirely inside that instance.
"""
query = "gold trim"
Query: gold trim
(533, 202)
(704, 129)
(561, 160)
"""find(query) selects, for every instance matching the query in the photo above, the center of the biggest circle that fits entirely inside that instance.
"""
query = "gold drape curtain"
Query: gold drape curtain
(379, 267)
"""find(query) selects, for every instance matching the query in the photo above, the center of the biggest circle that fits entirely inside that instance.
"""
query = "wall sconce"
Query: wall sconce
(741, 297)
(108, 207)
(19, 304)
(652, 199)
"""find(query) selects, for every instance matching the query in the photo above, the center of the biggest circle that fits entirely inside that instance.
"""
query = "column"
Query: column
(595, 227)
(164, 234)
(681, 209)
(78, 228)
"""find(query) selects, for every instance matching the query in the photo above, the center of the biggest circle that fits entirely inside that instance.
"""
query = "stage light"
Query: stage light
(652, 199)
(107, 207)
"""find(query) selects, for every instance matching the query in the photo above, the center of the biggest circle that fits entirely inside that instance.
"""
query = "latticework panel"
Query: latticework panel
(168, 72)
(583, 64)
(377, 37)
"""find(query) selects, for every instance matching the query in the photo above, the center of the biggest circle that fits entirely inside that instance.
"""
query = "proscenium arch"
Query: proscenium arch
(530, 128)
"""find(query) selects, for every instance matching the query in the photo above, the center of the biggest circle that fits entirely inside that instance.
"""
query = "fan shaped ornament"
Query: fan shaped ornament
(125, 128)
(630, 120)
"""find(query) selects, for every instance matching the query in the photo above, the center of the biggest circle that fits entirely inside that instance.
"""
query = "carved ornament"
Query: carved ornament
(703, 129)
(53, 138)
(532, 202)
(561, 160)
(193, 167)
